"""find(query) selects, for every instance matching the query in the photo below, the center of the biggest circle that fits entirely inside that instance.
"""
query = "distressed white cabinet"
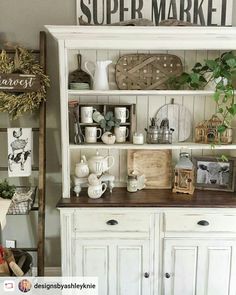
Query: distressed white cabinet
(152, 251)
(199, 266)
(122, 266)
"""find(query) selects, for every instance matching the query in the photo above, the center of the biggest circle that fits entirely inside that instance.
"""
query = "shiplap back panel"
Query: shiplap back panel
(201, 107)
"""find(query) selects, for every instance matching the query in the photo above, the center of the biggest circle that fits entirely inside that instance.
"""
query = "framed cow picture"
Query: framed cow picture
(213, 174)
(19, 152)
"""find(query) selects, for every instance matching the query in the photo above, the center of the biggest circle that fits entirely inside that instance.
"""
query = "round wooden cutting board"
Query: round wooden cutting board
(180, 119)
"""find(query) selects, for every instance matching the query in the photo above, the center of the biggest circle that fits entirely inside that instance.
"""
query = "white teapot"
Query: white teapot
(99, 164)
(81, 169)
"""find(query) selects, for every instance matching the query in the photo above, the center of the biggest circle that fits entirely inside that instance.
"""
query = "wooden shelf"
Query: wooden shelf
(174, 146)
(139, 93)
(153, 198)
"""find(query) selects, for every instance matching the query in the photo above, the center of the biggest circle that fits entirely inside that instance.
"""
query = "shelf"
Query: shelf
(174, 146)
(152, 198)
(96, 124)
(140, 92)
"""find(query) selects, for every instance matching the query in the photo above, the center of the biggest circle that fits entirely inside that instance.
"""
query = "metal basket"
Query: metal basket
(22, 201)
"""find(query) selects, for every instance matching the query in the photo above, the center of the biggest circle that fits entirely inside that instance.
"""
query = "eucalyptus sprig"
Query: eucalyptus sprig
(109, 121)
(221, 72)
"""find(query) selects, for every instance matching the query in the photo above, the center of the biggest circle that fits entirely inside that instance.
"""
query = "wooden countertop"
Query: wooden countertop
(153, 198)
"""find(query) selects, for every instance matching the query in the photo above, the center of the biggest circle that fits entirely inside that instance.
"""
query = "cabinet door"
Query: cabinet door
(133, 274)
(199, 267)
(91, 258)
(180, 267)
(122, 266)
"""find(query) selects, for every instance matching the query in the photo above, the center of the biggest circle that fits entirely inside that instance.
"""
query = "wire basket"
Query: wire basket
(22, 200)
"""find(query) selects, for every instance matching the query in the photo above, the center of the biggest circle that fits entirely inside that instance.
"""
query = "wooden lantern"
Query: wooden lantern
(207, 132)
(184, 175)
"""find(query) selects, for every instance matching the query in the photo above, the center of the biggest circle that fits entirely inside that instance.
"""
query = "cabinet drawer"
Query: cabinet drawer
(182, 222)
(90, 221)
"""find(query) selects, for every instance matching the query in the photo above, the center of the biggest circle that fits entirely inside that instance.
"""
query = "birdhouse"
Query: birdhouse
(207, 132)
(184, 175)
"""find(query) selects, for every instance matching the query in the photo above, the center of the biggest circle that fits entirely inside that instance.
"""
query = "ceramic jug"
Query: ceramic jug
(96, 191)
(81, 169)
(99, 164)
(100, 76)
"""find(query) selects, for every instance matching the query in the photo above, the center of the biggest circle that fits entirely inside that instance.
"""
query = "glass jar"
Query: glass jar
(138, 138)
(184, 162)
(132, 183)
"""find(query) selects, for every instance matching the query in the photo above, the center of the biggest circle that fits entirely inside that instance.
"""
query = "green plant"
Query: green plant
(6, 191)
(109, 121)
(221, 72)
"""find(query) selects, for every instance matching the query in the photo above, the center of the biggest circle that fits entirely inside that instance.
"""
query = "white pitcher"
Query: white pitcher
(100, 77)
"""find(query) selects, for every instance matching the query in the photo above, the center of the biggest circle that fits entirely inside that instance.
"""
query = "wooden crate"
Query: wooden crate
(103, 109)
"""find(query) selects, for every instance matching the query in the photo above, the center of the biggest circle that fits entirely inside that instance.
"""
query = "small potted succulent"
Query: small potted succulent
(6, 190)
(108, 123)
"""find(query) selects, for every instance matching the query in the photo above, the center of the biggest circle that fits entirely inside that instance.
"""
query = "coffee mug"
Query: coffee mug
(121, 134)
(86, 114)
(122, 114)
(92, 134)
(96, 191)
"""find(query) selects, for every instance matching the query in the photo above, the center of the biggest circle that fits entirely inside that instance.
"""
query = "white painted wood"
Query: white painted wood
(174, 146)
(187, 222)
(180, 262)
(138, 92)
(127, 222)
(66, 242)
(92, 259)
(180, 119)
(132, 263)
(141, 38)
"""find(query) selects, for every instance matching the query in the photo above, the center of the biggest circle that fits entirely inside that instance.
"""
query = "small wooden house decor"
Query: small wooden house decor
(184, 175)
(207, 132)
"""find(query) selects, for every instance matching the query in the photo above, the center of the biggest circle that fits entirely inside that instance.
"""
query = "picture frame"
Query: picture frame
(213, 174)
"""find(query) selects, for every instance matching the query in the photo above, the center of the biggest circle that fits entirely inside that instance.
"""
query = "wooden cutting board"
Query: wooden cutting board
(155, 164)
(180, 120)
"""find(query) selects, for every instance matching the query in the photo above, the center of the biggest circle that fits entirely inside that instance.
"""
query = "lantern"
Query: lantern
(184, 175)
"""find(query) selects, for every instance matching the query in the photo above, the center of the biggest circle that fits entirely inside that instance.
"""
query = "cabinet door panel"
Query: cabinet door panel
(181, 264)
(132, 264)
(92, 259)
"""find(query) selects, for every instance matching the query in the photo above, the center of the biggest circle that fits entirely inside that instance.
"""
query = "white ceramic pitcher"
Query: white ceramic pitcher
(100, 77)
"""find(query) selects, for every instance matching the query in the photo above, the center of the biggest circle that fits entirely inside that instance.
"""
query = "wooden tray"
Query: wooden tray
(147, 71)
(156, 165)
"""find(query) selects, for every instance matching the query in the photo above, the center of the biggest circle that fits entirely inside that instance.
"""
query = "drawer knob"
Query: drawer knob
(167, 275)
(203, 223)
(146, 275)
(112, 222)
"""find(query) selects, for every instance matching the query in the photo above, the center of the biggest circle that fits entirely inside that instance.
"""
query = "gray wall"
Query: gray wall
(20, 22)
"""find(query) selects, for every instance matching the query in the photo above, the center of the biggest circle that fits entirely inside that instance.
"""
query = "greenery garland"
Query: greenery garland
(18, 103)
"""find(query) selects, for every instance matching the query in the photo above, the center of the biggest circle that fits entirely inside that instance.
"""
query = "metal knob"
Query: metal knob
(146, 275)
(167, 275)
(112, 222)
(203, 223)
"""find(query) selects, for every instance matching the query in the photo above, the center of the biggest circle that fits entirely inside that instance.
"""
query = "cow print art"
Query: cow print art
(19, 152)
(214, 174)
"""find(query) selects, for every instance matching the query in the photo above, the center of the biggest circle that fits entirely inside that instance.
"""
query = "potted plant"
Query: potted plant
(108, 123)
(6, 190)
(221, 72)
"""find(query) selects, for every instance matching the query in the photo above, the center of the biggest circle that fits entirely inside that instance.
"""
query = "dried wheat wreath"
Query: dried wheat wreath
(18, 103)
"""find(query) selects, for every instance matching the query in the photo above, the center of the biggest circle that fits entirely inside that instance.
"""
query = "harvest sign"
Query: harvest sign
(201, 12)
(19, 83)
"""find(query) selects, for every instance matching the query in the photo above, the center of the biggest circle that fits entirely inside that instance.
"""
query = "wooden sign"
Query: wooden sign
(201, 12)
(19, 83)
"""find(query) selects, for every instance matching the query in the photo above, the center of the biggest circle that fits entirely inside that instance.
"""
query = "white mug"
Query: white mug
(96, 191)
(122, 114)
(91, 134)
(86, 114)
(121, 134)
